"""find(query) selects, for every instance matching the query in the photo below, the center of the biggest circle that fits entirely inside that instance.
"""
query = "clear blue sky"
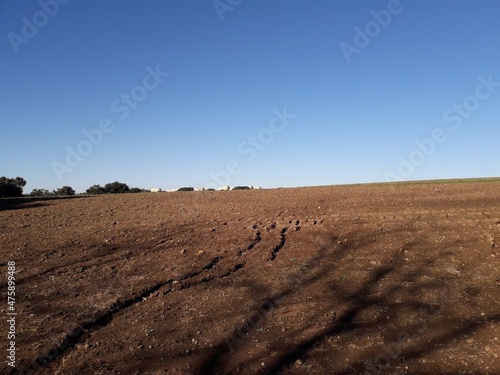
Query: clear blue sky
(357, 114)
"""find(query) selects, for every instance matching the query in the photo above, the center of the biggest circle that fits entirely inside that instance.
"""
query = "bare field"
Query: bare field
(368, 279)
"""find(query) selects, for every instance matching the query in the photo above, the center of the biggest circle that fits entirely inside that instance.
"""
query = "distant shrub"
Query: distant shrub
(65, 191)
(111, 188)
(210, 190)
(11, 187)
(95, 189)
(186, 189)
(40, 193)
(116, 188)
(137, 190)
(241, 188)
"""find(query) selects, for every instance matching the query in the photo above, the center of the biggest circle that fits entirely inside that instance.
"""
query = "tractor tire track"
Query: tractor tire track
(253, 243)
(82, 332)
(280, 245)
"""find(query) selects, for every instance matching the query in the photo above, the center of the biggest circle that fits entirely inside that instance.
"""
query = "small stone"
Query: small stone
(298, 362)
(183, 251)
(487, 349)
(201, 252)
(470, 341)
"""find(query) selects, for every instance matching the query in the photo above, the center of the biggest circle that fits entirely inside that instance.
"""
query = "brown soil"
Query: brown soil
(370, 279)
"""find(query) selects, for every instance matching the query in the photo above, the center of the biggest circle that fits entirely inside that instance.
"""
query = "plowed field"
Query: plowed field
(368, 279)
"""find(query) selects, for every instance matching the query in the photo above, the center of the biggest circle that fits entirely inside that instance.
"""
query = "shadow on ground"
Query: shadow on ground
(398, 312)
(30, 202)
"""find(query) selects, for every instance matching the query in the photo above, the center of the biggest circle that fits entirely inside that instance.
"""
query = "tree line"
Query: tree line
(13, 187)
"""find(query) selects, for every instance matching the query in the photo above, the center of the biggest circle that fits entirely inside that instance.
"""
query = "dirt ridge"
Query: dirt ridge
(280, 245)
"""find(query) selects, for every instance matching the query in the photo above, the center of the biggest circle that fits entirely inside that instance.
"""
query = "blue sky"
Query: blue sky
(351, 117)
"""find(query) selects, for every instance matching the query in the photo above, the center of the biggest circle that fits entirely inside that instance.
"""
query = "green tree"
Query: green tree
(112, 188)
(95, 189)
(40, 193)
(11, 187)
(137, 190)
(20, 181)
(116, 188)
(64, 191)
